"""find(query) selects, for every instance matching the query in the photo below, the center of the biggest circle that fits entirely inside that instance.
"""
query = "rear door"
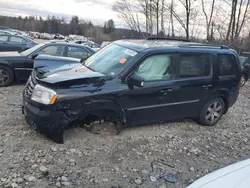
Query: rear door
(77, 52)
(4, 43)
(194, 77)
(17, 43)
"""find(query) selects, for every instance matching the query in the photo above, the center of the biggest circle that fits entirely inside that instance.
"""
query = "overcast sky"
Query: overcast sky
(97, 11)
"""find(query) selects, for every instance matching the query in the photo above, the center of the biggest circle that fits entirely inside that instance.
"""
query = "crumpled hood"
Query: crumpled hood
(78, 73)
(233, 176)
(46, 65)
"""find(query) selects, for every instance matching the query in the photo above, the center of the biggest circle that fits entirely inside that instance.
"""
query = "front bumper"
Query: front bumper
(46, 121)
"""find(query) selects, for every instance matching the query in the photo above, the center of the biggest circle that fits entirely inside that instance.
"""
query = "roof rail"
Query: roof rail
(203, 45)
(166, 38)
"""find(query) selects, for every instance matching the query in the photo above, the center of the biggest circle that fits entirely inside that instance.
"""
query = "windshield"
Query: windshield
(31, 50)
(111, 60)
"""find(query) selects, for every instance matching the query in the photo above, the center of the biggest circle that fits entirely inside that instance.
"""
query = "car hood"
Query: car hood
(47, 65)
(63, 71)
(233, 176)
(9, 54)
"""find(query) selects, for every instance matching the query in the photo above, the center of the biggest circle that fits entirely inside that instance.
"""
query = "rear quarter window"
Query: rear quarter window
(227, 64)
(195, 65)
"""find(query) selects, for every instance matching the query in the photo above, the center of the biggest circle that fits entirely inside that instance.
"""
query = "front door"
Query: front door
(194, 78)
(4, 43)
(154, 102)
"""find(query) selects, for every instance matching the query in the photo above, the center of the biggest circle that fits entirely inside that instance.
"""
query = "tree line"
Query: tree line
(223, 20)
(77, 26)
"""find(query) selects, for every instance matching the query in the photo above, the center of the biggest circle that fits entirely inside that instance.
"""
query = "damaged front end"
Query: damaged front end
(57, 101)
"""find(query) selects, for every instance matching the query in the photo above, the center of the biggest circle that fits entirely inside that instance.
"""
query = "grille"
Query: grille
(30, 85)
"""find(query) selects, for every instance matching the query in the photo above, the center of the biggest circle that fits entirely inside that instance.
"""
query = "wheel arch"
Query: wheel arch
(104, 108)
(224, 95)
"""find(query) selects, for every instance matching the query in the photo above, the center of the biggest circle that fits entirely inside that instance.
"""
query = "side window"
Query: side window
(3, 38)
(227, 64)
(16, 40)
(156, 67)
(195, 65)
(76, 52)
(53, 50)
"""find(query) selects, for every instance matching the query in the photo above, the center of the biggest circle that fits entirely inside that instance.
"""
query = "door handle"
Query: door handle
(5, 42)
(165, 91)
(207, 86)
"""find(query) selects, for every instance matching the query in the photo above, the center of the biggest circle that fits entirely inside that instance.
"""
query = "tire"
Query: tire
(212, 112)
(6, 76)
(243, 80)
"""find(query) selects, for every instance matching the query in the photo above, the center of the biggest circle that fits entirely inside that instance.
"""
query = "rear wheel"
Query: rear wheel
(212, 112)
(243, 80)
(6, 76)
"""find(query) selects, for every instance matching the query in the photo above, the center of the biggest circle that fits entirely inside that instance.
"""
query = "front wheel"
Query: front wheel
(6, 76)
(212, 112)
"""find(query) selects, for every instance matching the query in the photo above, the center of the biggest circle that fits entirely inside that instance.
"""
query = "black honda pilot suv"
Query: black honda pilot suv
(133, 82)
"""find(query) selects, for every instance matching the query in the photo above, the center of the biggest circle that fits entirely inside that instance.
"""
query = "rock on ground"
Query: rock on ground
(187, 149)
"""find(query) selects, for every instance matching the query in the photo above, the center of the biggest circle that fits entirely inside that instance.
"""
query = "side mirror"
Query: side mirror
(135, 80)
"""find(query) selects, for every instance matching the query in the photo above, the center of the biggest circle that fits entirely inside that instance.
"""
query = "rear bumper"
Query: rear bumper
(47, 122)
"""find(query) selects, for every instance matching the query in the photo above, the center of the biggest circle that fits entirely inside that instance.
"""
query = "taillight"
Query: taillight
(249, 66)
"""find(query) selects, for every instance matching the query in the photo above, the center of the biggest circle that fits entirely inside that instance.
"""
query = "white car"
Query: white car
(234, 176)
(46, 36)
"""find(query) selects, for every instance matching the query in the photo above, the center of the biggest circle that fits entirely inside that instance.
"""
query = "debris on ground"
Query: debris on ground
(172, 154)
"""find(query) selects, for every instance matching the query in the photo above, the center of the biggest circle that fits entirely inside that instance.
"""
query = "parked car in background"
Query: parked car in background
(135, 82)
(234, 176)
(16, 66)
(105, 43)
(78, 41)
(15, 43)
(92, 45)
(46, 36)
(4, 28)
(59, 36)
(245, 67)
(5, 32)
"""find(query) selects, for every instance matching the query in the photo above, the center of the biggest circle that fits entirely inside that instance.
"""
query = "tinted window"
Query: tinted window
(157, 67)
(3, 38)
(16, 40)
(195, 65)
(227, 64)
(77, 52)
(52, 50)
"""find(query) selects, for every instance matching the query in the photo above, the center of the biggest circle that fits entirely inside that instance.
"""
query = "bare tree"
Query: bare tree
(183, 21)
(128, 14)
(208, 17)
(239, 13)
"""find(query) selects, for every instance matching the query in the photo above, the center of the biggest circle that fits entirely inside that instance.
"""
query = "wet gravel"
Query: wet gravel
(183, 150)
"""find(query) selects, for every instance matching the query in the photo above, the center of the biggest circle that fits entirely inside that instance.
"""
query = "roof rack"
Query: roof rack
(166, 38)
(203, 45)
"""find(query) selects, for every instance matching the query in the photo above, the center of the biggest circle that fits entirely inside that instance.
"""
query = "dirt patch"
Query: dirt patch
(28, 159)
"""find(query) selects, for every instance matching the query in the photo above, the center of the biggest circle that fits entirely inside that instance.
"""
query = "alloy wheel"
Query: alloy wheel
(4, 76)
(214, 112)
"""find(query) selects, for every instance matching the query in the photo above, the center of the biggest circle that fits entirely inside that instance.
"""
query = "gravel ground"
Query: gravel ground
(185, 149)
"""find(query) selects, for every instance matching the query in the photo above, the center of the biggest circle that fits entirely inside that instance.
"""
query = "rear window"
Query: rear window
(227, 64)
(195, 65)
